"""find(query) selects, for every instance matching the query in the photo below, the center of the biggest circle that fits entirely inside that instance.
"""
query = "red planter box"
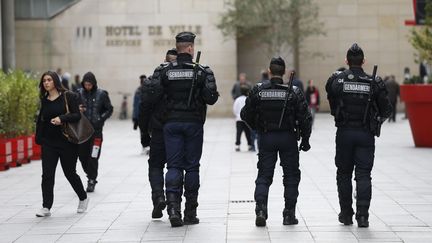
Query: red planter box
(5, 153)
(18, 151)
(28, 148)
(418, 102)
(36, 150)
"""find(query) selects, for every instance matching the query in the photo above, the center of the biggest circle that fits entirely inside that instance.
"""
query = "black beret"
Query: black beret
(172, 52)
(185, 37)
(354, 50)
(277, 61)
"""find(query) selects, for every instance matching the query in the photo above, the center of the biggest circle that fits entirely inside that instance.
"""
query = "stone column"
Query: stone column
(8, 34)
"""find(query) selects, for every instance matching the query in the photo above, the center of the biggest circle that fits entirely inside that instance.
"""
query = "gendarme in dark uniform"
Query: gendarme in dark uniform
(349, 93)
(262, 112)
(183, 125)
(151, 123)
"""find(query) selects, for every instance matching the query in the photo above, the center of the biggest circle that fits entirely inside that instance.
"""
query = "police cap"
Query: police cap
(172, 52)
(355, 50)
(185, 37)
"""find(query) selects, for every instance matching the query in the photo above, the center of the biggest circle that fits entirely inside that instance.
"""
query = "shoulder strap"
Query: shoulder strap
(66, 103)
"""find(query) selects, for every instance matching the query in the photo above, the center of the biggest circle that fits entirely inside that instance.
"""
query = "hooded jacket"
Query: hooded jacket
(97, 103)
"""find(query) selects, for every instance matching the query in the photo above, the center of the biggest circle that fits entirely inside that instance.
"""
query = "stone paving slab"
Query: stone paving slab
(120, 208)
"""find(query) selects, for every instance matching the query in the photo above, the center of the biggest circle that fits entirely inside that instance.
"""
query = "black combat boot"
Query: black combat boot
(289, 217)
(261, 214)
(174, 210)
(190, 214)
(159, 204)
(345, 217)
(362, 217)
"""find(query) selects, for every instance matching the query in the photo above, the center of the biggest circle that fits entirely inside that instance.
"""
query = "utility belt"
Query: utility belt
(265, 126)
(185, 116)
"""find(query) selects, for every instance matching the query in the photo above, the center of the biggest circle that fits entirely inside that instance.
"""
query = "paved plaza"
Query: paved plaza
(120, 208)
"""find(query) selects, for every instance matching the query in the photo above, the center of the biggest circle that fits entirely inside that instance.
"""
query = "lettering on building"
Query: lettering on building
(160, 36)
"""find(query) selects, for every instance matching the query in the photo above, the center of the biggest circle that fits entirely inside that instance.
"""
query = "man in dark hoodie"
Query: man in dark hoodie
(96, 106)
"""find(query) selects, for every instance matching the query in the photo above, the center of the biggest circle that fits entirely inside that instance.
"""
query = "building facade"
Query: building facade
(121, 39)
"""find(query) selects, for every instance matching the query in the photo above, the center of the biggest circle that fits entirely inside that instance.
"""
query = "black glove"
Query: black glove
(304, 145)
(135, 124)
(145, 139)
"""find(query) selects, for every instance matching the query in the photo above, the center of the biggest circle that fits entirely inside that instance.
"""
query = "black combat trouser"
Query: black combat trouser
(270, 144)
(355, 150)
(156, 162)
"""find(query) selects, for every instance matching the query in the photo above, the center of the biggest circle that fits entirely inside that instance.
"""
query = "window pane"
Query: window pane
(40, 9)
(22, 9)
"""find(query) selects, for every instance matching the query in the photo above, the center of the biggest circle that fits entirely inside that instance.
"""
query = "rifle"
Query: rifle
(374, 72)
(290, 89)
(195, 77)
(375, 122)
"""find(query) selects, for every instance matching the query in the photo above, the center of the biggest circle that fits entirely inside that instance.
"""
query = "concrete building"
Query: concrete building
(121, 39)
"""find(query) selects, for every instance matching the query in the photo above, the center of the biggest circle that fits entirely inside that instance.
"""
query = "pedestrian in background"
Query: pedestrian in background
(313, 98)
(235, 91)
(393, 94)
(136, 114)
(53, 114)
(96, 106)
(241, 126)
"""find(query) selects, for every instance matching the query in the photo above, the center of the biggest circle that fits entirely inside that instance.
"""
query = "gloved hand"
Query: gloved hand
(135, 124)
(145, 140)
(304, 145)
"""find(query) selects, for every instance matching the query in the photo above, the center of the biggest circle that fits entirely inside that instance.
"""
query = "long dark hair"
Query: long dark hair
(57, 83)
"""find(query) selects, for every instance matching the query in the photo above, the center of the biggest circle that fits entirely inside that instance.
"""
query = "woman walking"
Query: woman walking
(55, 146)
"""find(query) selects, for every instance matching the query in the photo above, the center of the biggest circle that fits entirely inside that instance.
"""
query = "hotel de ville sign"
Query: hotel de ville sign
(133, 35)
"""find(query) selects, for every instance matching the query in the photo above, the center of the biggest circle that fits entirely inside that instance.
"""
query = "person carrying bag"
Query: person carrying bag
(56, 111)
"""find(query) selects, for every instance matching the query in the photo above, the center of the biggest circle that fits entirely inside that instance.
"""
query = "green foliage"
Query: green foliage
(19, 99)
(414, 80)
(276, 23)
(421, 38)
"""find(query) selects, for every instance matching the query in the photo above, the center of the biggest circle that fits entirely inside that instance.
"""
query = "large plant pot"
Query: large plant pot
(418, 103)
(5, 153)
(17, 151)
(28, 148)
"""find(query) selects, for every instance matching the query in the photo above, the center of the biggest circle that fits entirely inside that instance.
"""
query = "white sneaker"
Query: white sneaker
(43, 212)
(82, 205)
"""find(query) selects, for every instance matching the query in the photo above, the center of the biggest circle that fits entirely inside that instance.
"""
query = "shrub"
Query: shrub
(19, 100)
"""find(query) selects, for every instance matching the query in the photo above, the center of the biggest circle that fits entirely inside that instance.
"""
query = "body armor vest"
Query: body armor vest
(271, 103)
(177, 85)
(353, 90)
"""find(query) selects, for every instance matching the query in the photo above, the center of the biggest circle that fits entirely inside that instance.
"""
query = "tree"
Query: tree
(421, 38)
(278, 24)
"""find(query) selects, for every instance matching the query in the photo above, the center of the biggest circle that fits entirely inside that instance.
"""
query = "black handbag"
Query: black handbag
(77, 132)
